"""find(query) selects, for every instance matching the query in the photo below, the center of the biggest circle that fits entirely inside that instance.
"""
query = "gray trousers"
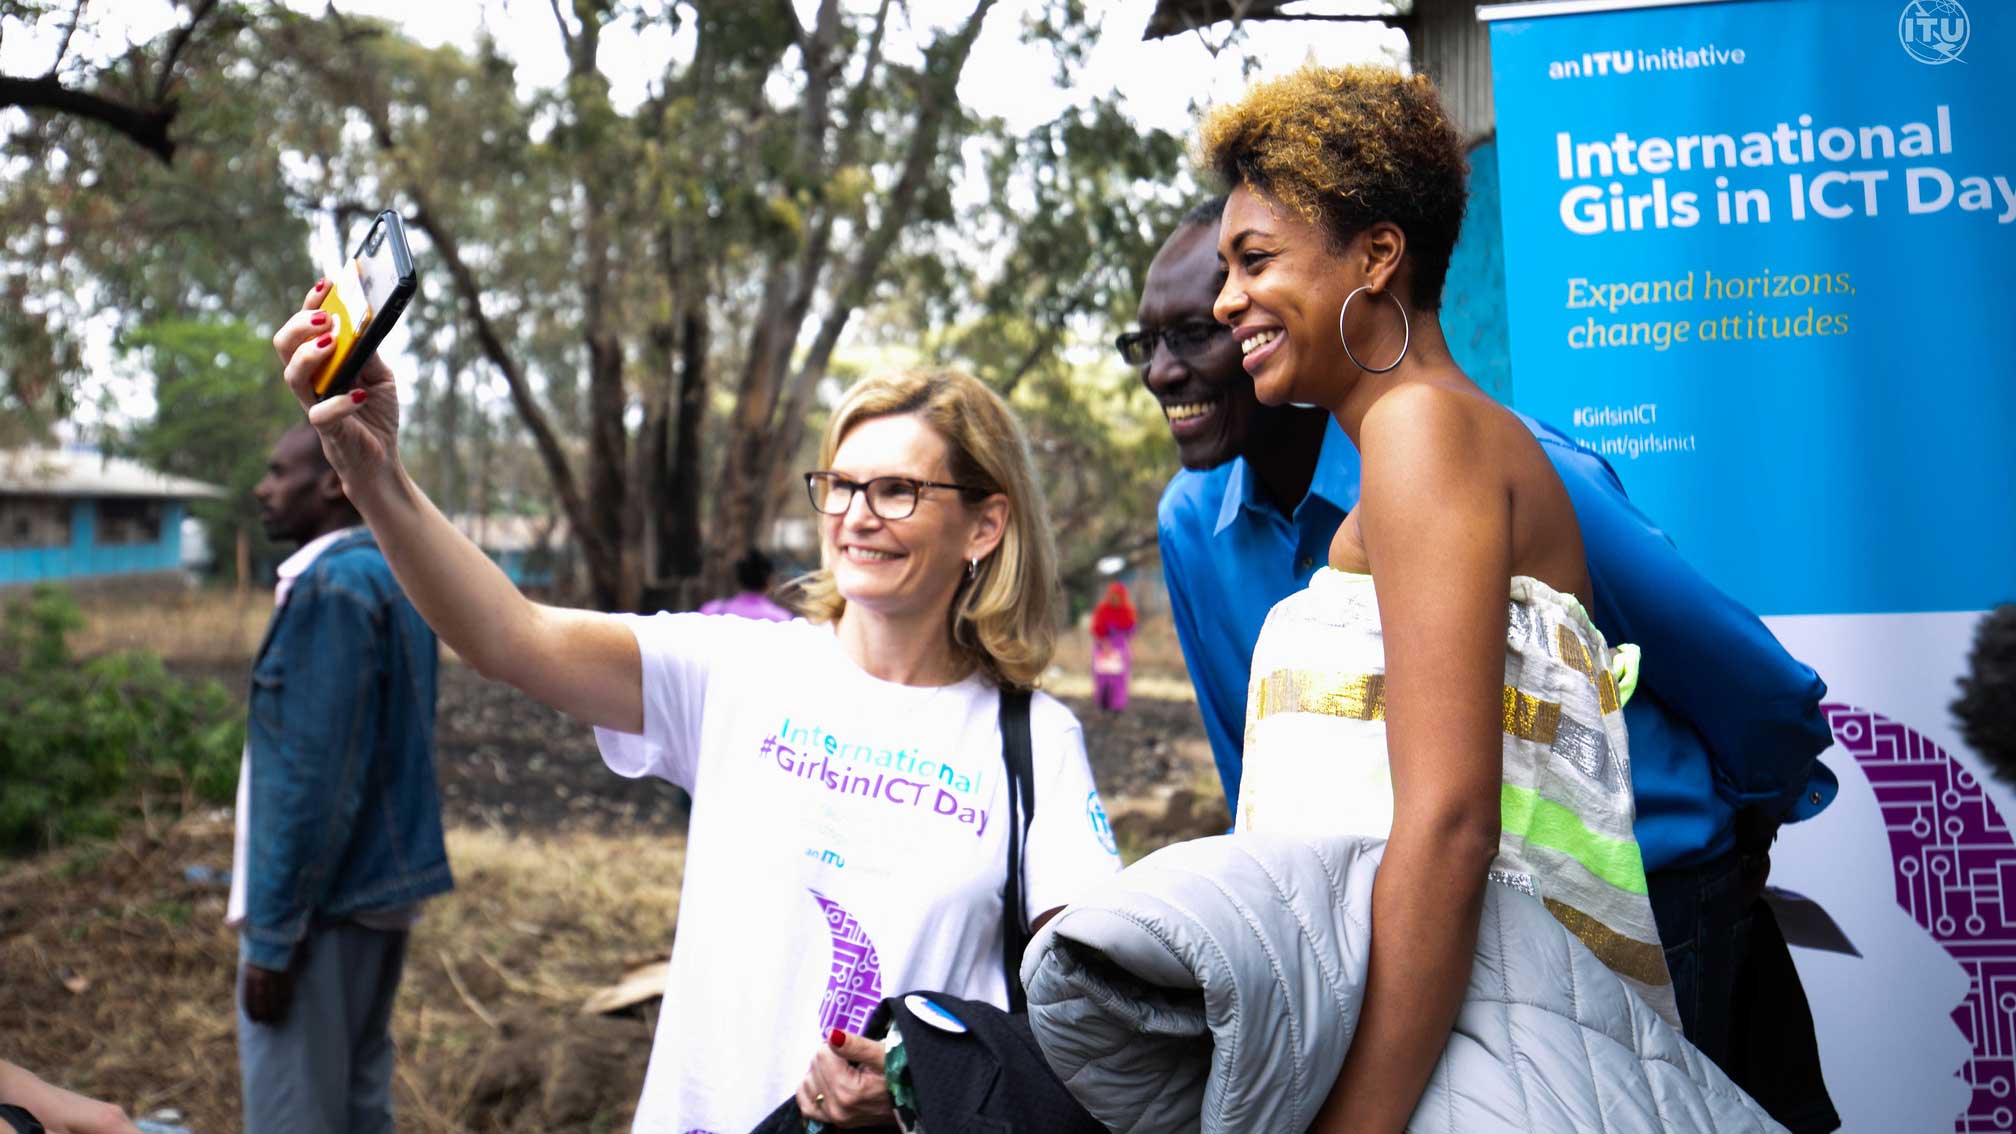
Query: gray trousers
(327, 1069)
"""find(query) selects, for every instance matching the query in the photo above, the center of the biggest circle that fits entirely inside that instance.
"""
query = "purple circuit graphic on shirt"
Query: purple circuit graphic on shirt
(854, 986)
(1955, 862)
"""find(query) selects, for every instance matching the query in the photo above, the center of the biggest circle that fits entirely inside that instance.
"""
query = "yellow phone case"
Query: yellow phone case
(345, 300)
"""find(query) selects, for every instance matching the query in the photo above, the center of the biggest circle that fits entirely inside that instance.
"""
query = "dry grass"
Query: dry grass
(486, 1022)
(572, 906)
(218, 625)
(205, 626)
(487, 1026)
(533, 927)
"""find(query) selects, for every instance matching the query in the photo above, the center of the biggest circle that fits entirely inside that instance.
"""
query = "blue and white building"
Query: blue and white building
(68, 517)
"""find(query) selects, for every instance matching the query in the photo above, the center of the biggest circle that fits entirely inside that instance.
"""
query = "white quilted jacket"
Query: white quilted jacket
(1215, 986)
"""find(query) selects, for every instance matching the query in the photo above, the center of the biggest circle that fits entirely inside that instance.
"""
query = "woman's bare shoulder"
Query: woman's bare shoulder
(1427, 423)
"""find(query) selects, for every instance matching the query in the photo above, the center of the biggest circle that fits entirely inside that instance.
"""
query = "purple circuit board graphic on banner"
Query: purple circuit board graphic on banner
(1955, 867)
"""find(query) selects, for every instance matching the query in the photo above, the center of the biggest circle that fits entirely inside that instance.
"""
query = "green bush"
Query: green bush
(81, 742)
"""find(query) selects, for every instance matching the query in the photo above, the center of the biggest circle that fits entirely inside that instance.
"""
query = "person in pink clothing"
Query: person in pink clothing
(752, 572)
(1112, 648)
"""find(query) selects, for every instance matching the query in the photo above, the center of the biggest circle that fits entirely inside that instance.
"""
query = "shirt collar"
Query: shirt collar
(297, 564)
(1335, 481)
(1239, 494)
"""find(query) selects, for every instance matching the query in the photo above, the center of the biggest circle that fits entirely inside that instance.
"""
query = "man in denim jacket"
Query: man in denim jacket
(339, 819)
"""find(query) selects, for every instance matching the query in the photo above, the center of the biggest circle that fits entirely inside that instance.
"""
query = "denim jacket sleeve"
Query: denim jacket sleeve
(1709, 659)
(314, 693)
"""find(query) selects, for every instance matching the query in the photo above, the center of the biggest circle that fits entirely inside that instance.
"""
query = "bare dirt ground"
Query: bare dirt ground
(115, 965)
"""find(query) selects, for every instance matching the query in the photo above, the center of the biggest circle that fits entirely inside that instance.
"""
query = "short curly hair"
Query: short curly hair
(1348, 147)
(1986, 709)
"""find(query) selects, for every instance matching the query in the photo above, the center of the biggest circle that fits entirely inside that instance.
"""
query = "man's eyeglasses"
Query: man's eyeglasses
(890, 497)
(1187, 339)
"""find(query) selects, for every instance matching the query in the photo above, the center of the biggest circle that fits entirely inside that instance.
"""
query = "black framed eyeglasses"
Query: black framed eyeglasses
(890, 497)
(1187, 339)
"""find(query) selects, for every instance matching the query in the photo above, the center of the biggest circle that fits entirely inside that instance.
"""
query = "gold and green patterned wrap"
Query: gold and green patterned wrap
(1316, 763)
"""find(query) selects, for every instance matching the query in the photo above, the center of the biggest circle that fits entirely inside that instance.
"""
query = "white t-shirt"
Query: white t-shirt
(848, 842)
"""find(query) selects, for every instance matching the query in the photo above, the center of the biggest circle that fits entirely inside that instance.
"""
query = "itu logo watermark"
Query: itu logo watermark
(1934, 31)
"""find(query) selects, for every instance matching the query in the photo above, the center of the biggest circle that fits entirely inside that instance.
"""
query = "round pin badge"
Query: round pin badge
(933, 1015)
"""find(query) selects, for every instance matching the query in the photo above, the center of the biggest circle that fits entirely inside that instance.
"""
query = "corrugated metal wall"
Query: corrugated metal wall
(1452, 47)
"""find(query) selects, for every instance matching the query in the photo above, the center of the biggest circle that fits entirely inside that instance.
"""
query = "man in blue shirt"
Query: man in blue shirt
(1725, 726)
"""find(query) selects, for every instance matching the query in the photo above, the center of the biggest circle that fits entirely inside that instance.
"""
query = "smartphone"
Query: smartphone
(367, 296)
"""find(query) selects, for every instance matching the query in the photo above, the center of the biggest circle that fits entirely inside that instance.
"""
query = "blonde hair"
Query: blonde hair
(1003, 620)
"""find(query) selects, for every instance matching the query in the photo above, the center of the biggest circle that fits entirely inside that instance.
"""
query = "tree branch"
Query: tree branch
(787, 294)
(566, 33)
(1044, 344)
(561, 473)
(198, 12)
(789, 12)
(937, 99)
(820, 68)
(63, 47)
(144, 126)
(548, 443)
(855, 118)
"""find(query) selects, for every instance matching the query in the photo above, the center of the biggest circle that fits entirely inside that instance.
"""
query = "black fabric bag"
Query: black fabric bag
(992, 1077)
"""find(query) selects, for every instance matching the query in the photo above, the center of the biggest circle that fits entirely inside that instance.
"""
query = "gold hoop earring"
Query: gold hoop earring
(1406, 332)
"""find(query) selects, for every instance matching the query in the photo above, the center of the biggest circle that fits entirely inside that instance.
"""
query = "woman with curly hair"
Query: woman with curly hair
(1437, 703)
(1347, 195)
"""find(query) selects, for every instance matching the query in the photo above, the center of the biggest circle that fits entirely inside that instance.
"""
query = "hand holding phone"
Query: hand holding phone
(366, 297)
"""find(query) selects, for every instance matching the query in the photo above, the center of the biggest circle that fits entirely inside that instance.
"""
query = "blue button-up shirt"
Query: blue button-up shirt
(1723, 716)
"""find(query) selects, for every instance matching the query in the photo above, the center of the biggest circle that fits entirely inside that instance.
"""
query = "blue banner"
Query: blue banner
(1762, 256)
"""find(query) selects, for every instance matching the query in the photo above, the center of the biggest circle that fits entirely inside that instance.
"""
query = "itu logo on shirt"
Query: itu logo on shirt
(1095, 813)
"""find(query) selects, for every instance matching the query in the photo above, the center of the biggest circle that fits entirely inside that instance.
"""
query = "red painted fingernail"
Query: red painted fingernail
(320, 318)
(321, 284)
(835, 1038)
(325, 340)
(358, 396)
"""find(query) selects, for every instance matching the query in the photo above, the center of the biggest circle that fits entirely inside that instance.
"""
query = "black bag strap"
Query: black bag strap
(1015, 754)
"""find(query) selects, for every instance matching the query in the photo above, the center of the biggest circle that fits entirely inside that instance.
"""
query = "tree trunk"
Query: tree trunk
(680, 530)
(619, 584)
(601, 556)
(608, 450)
(763, 441)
